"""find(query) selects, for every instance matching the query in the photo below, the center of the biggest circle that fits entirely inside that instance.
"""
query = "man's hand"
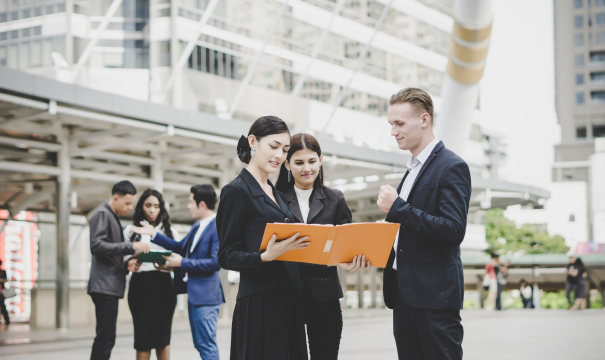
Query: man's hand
(386, 198)
(277, 248)
(141, 246)
(133, 265)
(174, 260)
(359, 262)
(165, 267)
(145, 229)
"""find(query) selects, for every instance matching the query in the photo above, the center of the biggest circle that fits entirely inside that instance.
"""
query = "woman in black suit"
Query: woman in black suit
(301, 181)
(267, 321)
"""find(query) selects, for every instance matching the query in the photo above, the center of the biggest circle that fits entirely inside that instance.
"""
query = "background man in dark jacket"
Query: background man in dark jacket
(108, 270)
(196, 268)
(423, 279)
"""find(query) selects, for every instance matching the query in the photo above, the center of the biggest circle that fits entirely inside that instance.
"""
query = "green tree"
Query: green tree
(504, 237)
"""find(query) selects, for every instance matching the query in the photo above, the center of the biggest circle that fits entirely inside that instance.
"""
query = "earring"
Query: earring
(252, 152)
(289, 176)
(320, 173)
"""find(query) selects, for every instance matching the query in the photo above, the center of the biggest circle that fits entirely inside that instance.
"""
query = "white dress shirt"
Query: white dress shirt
(303, 197)
(152, 246)
(414, 166)
(203, 225)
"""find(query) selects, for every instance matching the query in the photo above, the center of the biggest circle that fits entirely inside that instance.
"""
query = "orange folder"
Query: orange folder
(331, 245)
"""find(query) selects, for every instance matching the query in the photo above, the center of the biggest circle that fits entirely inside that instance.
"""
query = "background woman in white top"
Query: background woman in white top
(151, 297)
(301, 182)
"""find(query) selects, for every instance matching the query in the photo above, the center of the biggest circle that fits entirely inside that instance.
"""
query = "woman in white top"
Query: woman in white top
(301, 182)
(151, 297)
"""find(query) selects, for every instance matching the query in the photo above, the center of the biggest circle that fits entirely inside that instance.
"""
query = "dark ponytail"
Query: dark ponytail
(263, 126)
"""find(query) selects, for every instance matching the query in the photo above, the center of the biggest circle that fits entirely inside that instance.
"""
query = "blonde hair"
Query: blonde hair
(418, 98)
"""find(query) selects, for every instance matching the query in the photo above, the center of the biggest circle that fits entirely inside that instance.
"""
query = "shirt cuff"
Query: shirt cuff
(153, 236)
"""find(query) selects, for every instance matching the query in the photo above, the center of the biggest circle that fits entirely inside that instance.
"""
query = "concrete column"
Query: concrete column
(175, 53)
(157, 173)
(479, 292)
(373, 285)
(69, 39)
(63, 185)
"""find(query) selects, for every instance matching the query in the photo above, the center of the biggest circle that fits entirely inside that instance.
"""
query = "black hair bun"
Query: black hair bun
(243, 149)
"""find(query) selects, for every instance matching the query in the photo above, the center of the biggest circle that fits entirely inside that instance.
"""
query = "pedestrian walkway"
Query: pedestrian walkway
(520, 334)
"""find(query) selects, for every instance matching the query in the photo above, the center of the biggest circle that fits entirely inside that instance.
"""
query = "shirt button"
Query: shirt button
(286, 220)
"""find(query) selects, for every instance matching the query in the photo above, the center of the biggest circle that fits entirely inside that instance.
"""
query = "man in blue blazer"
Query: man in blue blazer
(423, 280)
(196, 268)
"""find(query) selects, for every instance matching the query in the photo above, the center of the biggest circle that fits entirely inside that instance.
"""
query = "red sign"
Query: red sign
(19, 255)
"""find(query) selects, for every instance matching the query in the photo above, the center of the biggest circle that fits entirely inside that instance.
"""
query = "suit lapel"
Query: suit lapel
(402, 181)
(202, 235)
(315, 204)
(192, 233)
(438, 147)
(257, 191)
(293, 204)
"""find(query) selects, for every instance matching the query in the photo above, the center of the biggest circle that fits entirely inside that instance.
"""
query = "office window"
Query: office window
(579, 39)
(50, 9)
(598, 77)
(15, 34)
(578, 21)
(25, 33)
(577, 4)
(37, 30)
(572, 218)
(600, 38)
(597, 97)
(26, 13)
(580, 98)
(14, 15)
(598, 131)
(599, 2)
(599, 19)
(597, 56)
(38, 11)
(579, 79)
(3, 18)
(61, 7)
(3, 36)
(580, 60)
(581, 132)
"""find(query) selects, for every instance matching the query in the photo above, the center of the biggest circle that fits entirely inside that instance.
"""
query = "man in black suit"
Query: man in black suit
(423, 280)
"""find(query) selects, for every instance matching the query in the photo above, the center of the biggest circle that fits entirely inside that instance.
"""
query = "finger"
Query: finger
(293, 237)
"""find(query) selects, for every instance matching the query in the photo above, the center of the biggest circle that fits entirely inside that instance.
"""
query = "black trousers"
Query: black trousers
(106, 311)
(499, 297)
(3, 309)
(427, 334)
(324, 326)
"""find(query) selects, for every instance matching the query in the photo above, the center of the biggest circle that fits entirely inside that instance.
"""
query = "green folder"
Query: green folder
(155, 255)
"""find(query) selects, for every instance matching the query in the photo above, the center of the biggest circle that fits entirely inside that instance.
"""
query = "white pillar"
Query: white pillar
(468, 51)
(63, 211)
(598, 192)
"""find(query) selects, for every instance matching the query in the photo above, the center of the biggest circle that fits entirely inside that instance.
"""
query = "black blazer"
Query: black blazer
(433, 224)
(107, 246)
(326, 206)
(243, 212)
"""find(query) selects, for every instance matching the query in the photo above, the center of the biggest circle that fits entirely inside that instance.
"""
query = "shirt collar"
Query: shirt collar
(423, 156)
(207, 220)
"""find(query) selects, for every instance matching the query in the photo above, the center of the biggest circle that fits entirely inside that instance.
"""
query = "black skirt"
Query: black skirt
(269, 326)
(152, 301)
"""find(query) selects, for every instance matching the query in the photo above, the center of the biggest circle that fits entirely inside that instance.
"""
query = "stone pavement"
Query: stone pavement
(511, 334)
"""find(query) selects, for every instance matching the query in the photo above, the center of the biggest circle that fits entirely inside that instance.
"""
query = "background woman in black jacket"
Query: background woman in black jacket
(301, 181)
(267, 320)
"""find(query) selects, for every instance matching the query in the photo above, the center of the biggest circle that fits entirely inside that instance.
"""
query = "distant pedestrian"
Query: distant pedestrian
(579, 273)
(527, 295)
(536, 298)
(491, 281)
(3, 280)
(570, 283)
(501, 271)
(108, 268)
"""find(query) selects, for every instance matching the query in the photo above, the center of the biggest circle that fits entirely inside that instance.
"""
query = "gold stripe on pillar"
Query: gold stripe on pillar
(472, 34)
(467, 75)
(468, 54)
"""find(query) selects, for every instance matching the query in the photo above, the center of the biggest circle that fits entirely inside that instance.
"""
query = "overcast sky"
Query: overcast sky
(517, 91)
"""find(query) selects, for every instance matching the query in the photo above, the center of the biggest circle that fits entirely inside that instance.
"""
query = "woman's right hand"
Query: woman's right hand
(277, 248)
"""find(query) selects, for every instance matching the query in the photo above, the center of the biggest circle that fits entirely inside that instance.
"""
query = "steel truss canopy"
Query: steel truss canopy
(109, 138)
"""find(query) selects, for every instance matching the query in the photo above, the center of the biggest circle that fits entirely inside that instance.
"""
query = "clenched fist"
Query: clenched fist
(386, 198)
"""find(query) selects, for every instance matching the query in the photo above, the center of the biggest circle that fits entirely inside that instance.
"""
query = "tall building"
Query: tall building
(580, 102)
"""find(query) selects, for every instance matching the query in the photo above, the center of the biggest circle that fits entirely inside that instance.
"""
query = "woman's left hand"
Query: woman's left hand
(162, 267)
(174, 260)
(359, 262)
